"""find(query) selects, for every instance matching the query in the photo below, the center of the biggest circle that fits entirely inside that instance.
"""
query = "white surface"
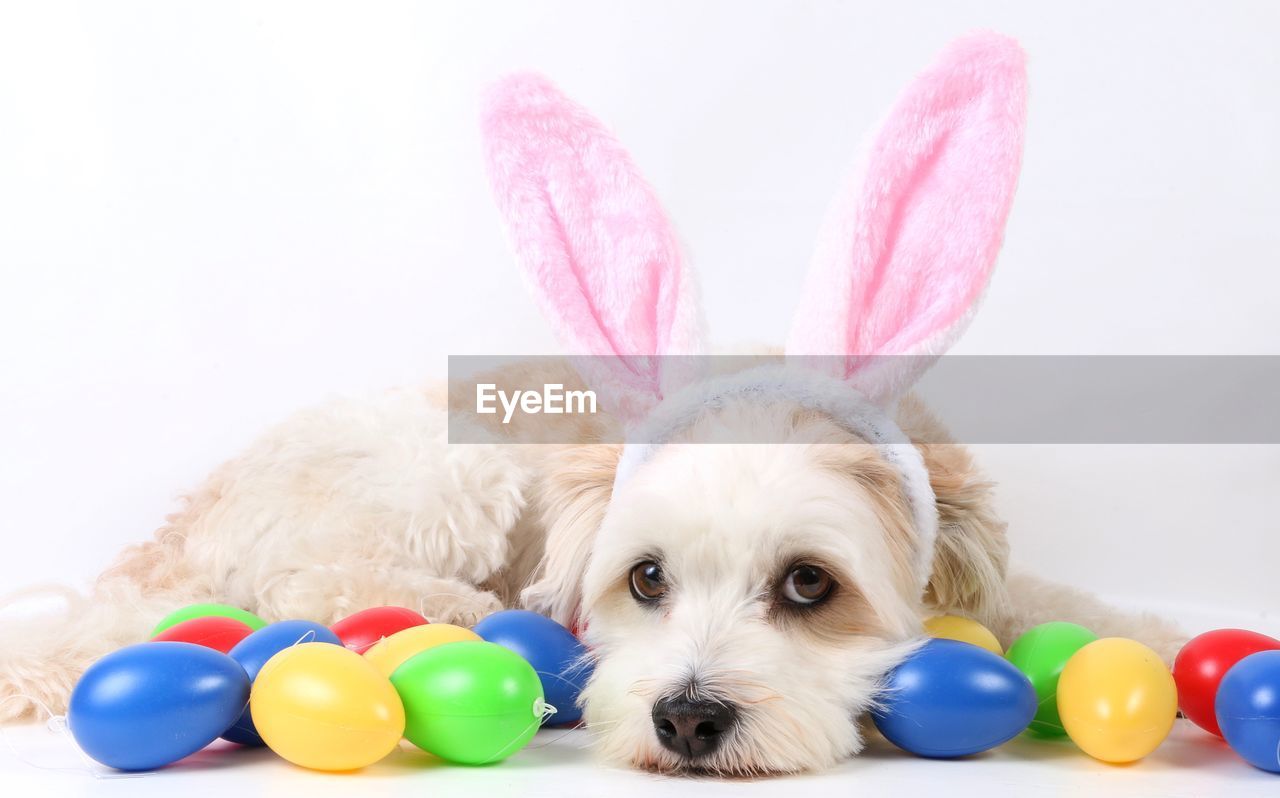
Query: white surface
(1190, 764)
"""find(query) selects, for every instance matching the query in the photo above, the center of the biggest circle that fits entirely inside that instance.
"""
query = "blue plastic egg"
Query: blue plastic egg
(558, 657)
(1248, 709)
(952, 699)
(254, 651)
(151, 704)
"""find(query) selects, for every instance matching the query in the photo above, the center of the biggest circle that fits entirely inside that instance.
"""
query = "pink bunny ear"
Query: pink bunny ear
(906, 250)
(595, 245)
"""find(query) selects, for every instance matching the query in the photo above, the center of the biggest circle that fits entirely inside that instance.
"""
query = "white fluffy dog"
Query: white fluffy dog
(747, 567)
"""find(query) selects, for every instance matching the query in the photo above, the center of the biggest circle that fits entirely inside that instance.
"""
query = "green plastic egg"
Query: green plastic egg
(203, 611)
(1041, 653)
(470, 702)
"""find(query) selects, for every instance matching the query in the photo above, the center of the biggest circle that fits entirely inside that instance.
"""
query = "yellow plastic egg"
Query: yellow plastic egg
(326, 708)
(953, 627)
(391, 652)
(1117, 700)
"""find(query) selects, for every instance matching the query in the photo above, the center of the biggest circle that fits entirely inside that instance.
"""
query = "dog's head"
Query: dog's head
(756, 557)
(743, 599)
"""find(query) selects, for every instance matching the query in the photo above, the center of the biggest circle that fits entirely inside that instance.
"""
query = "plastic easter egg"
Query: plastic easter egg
(255, 650)
(1041, 653)
(472, 703)
(204, 610)
(360, 631)
(952, 699)
(953, 627)
(323, 707)
(212, 631)
(151, 704)
(1117, 700)
(557, 656)
(1201, 664)
(395, 650)
(1248, 709)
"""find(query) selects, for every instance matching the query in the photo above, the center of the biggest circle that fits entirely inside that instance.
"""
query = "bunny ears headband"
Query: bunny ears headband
(903, 256)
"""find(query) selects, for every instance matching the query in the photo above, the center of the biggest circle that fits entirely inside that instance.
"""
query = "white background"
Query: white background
(214, 214)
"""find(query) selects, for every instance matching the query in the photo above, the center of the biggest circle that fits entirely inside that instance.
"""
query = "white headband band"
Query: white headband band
(809, 389)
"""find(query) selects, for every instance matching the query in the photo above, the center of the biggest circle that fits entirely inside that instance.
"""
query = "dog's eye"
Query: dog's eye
(647, 581)
(807, 584)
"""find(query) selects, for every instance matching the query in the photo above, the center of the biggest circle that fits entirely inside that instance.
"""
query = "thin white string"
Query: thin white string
(310, 633)
(547, 711)
(58, 725)
(560, 736)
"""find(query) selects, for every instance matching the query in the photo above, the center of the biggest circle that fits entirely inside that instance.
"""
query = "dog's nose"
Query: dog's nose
(692, 728)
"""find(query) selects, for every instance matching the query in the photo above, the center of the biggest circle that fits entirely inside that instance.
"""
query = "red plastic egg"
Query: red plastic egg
(360, 631)
(1203, 662)
(210, 631)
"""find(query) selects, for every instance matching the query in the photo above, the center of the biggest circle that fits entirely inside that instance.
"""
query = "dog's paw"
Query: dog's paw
(460, 609)
(541, 598)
